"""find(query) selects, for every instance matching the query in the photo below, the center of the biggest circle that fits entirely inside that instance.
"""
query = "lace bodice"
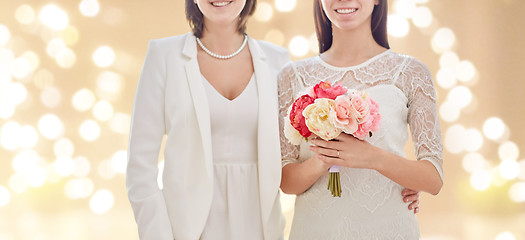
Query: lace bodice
(403, 88)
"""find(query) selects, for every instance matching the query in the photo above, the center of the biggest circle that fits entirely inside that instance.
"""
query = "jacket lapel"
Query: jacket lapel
(200, 100)
(269, 163)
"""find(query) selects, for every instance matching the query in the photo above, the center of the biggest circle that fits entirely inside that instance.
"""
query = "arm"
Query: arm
(422, 175)
(297, 176)
(147, 130)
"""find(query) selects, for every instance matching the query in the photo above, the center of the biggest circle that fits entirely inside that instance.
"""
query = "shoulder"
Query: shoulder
(410, 64)
(272, 49)
(169, 43)
(299, 68)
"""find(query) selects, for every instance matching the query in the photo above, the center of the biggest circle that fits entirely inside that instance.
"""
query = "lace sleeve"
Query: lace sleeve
(422, 113)
(289, 152)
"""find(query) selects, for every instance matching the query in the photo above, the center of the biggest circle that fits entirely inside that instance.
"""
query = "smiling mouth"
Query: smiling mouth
(221, 4)
(346, 10)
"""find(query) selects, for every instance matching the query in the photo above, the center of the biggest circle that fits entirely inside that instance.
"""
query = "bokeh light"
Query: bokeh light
(509, 169)
(5, 196)
(263, 12)
(83, 99)
(119, 161)
(64, 166)
(70, 35)
(474, 140)
(119, 123)
(285, 5)
(480, 180)
(508, 150)
(474, 161)
(20, 68)
(79, 188)
(50, 126)
(55, 46)
(50, 96)
(66, 58)
(53, 17)
(493, 128)
(5, 35)
(64, 147)
(109, 85)
(455, 138)
(465, 71)
(102, 201)
(397, 26)
(422, 17)
(299, 46)
(89, 130)
(25, 14)
(446, 77)
(460, 95)
(103, 110)
(517, 192)
(104, 56)
(89, 8)
(443, 40)
(505, 236)
(28, 136)
(9, 137)
(275, 36)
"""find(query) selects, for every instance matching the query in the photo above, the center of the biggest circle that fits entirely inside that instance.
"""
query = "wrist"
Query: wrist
(380, 159)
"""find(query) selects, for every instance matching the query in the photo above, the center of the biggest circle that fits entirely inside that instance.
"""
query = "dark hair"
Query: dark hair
(196, 19)
(323, 25)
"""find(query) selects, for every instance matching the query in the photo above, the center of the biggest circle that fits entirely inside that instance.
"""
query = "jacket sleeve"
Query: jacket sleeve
(146, 133)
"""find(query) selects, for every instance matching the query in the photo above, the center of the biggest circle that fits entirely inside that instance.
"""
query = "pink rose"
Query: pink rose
(310, 92)
(360, 107)
(296, 114)
(342, 116)
(326, 90)
(375, 117)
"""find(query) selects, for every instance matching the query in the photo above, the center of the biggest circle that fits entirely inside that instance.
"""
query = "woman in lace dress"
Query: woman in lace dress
(355, 53)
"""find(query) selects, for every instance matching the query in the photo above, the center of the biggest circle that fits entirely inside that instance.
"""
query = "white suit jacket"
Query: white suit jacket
(171, 100)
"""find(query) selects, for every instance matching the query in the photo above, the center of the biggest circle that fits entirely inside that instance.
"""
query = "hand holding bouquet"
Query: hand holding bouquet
(326, 111)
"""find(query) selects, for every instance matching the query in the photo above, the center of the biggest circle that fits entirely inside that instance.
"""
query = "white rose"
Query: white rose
(293, 136)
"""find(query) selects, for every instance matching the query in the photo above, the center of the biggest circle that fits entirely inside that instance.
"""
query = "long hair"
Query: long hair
(196, 19)
(323, 25)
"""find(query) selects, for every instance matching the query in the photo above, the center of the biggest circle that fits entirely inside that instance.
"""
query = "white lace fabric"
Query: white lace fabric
(371, 205)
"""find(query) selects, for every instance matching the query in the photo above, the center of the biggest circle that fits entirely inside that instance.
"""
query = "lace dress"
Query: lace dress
(371, 205)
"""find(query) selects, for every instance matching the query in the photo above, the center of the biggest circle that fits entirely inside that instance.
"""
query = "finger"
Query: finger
(325, 151)
(407, 192)
(416, 210)
(330, 160)
(411, 198)
(413, 205)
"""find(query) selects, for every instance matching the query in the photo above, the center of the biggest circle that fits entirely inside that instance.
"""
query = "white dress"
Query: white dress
(235, 210)
(371, 205)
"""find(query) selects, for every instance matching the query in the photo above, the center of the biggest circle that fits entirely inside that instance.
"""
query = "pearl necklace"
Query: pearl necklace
(223, 56)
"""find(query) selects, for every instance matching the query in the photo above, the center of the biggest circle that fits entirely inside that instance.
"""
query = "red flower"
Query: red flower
(326, 90)
(296, 114)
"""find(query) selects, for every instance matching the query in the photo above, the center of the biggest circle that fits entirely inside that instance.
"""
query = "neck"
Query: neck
(222, 39)
(351, 46)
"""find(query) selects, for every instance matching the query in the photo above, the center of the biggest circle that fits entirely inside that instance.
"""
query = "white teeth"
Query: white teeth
(220, 4)
(346, 10)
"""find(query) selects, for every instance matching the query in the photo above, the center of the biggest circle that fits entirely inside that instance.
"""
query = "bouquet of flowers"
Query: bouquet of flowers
(326, 111)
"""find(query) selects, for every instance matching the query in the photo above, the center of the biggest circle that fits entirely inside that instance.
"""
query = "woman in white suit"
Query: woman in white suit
(213, 93)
